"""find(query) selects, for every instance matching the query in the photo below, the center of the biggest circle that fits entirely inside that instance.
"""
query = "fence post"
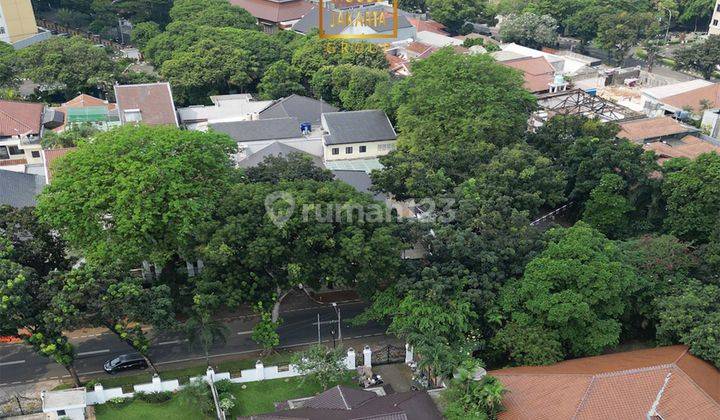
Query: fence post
(259, 370)
(350, 359)
(100, 394)
(157, 383)
(408, 353)
(367, 356)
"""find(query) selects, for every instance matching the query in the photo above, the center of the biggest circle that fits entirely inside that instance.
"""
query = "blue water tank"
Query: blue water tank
(591, 92)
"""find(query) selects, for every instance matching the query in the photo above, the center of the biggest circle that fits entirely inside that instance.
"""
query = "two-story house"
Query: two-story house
(357, 135)
(21, 127)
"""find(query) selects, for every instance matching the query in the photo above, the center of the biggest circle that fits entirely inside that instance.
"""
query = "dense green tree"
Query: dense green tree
(348, 86)
(34, 244)
(69, 137)
(455, 13)
(617, 33)
(206, 69)
(180, 38)
(293, 167)
(608, 210)
(418, 6)
(529, 29)
(280, 80)
(315, 53)
(143, 32)
(662, 264)
(438, 328)
(521, 173)
(8, 77)
(137, 193)
(702, 57)
(269, 238)
(216, 13)
(692, 195)
(26, 309)
(587, 150)
(692, 317)
(68, 66)
(100, 297)
(451, 113)
(573, 294)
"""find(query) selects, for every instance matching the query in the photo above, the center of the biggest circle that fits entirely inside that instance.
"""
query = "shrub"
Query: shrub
(119, 401)
(154, 397)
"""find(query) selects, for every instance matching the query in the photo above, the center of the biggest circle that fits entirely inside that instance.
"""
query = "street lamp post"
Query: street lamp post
(337, 309)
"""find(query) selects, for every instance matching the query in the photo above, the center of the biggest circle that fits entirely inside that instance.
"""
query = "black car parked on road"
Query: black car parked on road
(125, 362)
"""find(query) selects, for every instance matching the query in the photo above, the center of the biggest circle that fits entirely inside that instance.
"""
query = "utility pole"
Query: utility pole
(318, 324)
(337, 309)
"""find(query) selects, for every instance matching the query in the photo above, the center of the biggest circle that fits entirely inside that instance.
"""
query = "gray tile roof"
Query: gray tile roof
(360, 180)
(357, 127)
(340, 398)
(270, 129)
(275, 149)
(295, 106)
(311, 20)
(19, 189)
(415, 405)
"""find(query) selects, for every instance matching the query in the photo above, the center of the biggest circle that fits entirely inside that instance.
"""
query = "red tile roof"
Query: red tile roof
(49, 158)
(689, 147)
(428, 25)
(652, 128)
(537, 71)
(421, 49)
(615, 386)
(154, 100)
(17, 118)
(12, 162)
(695, 98)
(273, 11)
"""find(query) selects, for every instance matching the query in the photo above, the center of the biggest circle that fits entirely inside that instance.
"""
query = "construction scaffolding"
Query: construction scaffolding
(579, 102)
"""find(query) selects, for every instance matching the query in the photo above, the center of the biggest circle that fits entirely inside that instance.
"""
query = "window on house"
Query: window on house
(2, 30)
(718, 8)
(362, 149)
(348, 150)
(61, 413)
(4, 152)
(386, 146)
(133, 115)
(15, 150)
(35, 153)
(335, 150)
(715, 22)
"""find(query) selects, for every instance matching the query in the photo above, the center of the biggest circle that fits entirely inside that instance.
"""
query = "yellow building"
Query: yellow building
(17, 20)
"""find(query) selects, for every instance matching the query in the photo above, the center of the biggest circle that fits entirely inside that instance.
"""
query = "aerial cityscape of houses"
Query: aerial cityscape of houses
(185, 188)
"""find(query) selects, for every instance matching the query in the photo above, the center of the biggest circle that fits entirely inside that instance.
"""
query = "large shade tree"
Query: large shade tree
(270, 238)
(569, 301)
(137, 193)
(451, 113)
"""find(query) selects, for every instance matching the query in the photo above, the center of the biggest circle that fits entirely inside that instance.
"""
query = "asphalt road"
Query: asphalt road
(20, 364)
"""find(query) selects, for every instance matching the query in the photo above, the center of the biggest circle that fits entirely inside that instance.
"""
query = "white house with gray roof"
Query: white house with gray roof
(357, 135)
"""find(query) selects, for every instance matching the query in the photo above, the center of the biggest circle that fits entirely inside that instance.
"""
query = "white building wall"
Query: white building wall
(715, 20)
(373, 150)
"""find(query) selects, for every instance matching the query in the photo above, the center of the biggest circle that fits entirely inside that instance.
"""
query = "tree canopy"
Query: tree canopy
(452, 112)
(137, 192)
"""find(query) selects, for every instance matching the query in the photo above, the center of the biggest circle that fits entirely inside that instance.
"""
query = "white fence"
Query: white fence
(100, 395)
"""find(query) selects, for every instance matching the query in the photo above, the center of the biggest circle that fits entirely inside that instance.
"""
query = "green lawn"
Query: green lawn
(259, 397)
(140, 410)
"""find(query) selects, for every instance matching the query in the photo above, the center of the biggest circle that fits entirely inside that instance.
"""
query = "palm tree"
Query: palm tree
(203, 332)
